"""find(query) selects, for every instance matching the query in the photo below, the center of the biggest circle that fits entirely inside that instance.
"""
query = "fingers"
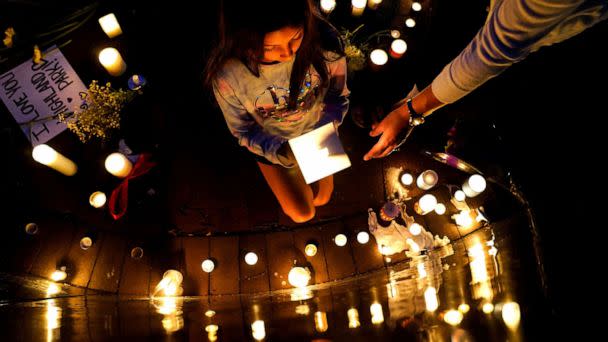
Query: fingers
(381, 149)
(377, 129)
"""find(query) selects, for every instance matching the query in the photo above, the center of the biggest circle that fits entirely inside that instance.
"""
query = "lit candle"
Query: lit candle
(453, 317)
(358, 6)
(487, 308)
(118, 165)
(340, 240)
(211, 330)
(425, 204)
(321, 321)
(427, 179)
(31, 228)
(415, 229)
(97, 199)
(363, 237)
(378, 57)
(416, 6)
(208, 265)
(473, 186)
(328, 5)
(373, 4)
(111, 59)
(395, 34)
(110, 25)
(440, 209)
(251, 258)
(310, 249)
(258, 330)
(299, 276)
(459, 196)
(398, 48)
(430, 299)
(407, 179)
(86, 243)
(59, 274)
(511, 314)
(464, 308)
(46, 155)
(410, 22)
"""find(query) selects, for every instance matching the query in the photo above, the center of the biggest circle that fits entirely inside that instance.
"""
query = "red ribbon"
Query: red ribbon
(120, 196)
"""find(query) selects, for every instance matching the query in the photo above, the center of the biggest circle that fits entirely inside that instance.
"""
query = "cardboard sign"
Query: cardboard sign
(36, 93)
(319, 153)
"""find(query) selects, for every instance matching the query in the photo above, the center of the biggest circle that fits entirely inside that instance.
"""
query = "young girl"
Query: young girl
(277, 73)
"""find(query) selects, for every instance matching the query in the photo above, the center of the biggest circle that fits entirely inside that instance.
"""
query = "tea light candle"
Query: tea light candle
(208, 265)
(118, 165)
(427, 180)
(473, 186)
(110, 25)
(398, 48)
(251, 258)
(328, 5)
(407, 179)
(340, 240)
(358, 6)
(425, 204)
(46, 155)
(311, 249)
(97, 199)
(363, 238)
(86, 243)
(416, 6)
(111, 59)
(410, 22)
(378, 57)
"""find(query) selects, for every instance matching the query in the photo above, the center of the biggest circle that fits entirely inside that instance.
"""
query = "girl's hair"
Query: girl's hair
(243, 25)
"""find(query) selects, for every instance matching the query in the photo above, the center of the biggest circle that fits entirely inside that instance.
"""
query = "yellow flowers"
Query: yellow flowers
(99, 113)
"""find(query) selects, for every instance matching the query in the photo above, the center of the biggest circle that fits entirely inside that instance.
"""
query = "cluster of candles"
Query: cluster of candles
(109, 57)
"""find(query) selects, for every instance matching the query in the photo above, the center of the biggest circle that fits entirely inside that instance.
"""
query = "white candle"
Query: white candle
(340, 240)
(473, 186)
(97, 199)
(251, 258)
(416, 6)
(111, 59)
(46, 155)
(410, 22)
(398, 48)
(427, 179)
(110, 25)
(118, 165)
(363, 238)
(407, 179)
(298, 276)
(425, 204)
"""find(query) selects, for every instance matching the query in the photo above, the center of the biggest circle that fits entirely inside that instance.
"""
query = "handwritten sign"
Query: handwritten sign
(36, 93)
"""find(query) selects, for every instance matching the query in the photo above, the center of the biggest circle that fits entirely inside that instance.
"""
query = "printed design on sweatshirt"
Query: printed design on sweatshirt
(273, 101)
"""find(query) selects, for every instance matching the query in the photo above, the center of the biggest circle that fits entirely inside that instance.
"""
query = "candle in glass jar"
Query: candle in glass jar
(427, 179)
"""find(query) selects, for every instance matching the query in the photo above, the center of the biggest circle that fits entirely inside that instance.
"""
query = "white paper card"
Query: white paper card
(319, 153)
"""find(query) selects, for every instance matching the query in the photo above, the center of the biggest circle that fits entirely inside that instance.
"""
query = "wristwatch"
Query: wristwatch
(415, 118)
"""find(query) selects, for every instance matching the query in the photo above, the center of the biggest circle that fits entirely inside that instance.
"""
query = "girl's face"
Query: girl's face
(281, 45)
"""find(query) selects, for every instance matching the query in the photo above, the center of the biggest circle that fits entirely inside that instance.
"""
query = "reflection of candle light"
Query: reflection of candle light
(407, 179)
(211, 330)
(340, 240)
(208, 265)
(453, 317)
(430, 299)
(473, 186)
(109, 25)
(353, 318)
(97, 199)
(416, 6)
(378, 57)
(328, 5)
(53, 289)
(421, 270)
(46, 155)
(53, 319)
(112, 61)
(511, 315)
(299, 276)
(427, 179)
(425, 204)
(251, 258)
(398, 48)
(60, 274)
(410, 22)
(310, 249)
(118, 165)
(377, 314)
(358, 7)
(363, 238)
(258, 330)
(321, 321)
